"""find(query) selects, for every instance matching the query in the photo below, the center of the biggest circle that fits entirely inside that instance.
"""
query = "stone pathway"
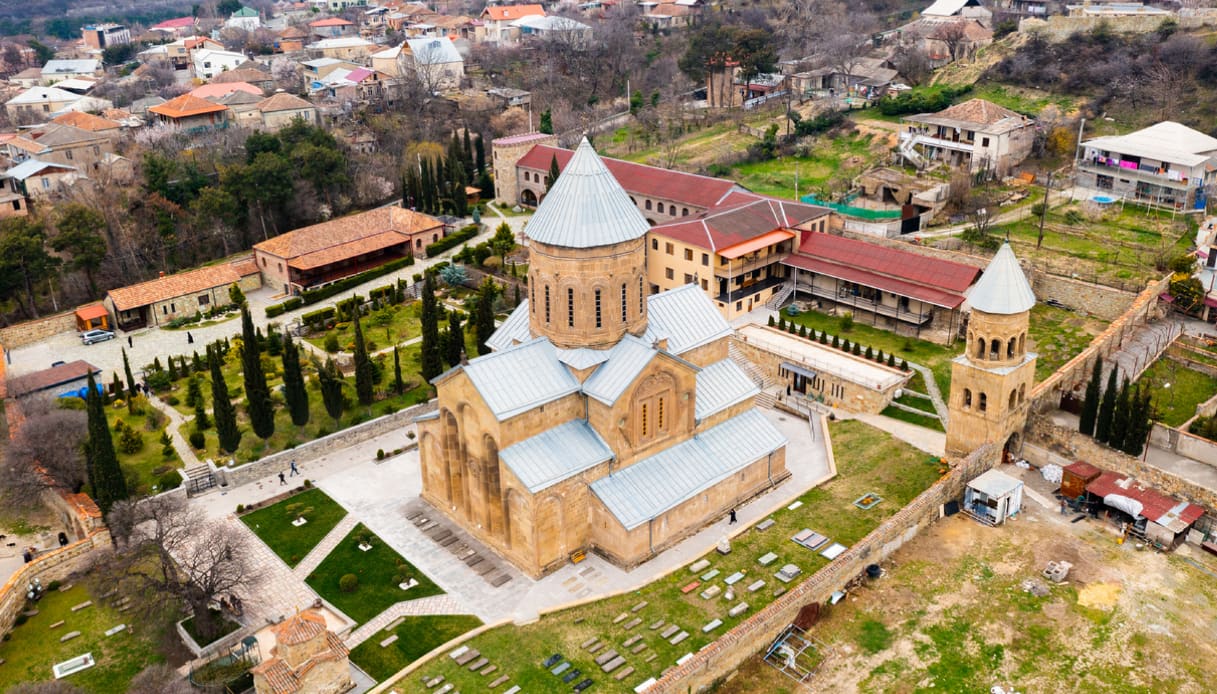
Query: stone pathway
(431, 605)
(1142, 348)
(931, 387)
(176, 420)
(327, 545)
(278, 591)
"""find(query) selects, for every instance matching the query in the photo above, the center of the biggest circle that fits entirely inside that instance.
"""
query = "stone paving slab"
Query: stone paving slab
(498, 682)
(625, 672)
(613, 664)
(606, 657)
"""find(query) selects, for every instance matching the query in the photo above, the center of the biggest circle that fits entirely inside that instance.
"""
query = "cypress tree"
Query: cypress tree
(1121, 418)
(432, 356)
(870, 354)
(293, 382)
(479, 155)
(222, 411)
(257, 395)
(553, 172)
(399, 386)
(782, 323)
(836, 342)
(1107, 406)
(118, 386)
(1090, 405)
(483, 326)
(127, 369)
(331, 389)
(197, 365)
(365, 371)
(891, 359)
(454, 339)
(105, 475)
(1142, 422)
(172, 369)
(517, 299)
(771, 321)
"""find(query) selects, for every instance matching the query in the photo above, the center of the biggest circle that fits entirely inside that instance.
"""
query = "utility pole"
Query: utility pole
(1039, 241)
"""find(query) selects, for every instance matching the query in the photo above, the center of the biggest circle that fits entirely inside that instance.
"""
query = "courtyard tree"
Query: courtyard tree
(454, 340)
(365, 371)
(166, 548)
(1090, 405)
(399, 386)
(222, 410)
(432, 354)
(46, 451)
(105, 474)
(330, 380)
(293, 382)
(78, 233)
(24, 261)
(1107, 408)
(483, 325)
(257, 395)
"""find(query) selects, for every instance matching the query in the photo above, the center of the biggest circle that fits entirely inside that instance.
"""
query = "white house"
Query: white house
(436, 60)
(209, 62)
(1166, 164)
(553, 27)
(976, 136)
(57, 70)
(246, 19)
(946, 10)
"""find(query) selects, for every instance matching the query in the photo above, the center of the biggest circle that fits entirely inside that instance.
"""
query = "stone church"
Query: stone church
(604, 419)
(991, 380)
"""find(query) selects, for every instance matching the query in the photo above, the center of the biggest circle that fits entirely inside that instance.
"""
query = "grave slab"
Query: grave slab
(710, 592)
(633, 623)
(81, 606)
(711, 626)
(656, 624)
(488, 669)
(690, 587)
(767, 559)
(587, 643)
(571, 676)
(498, 682)
(434, 682)
(765, 524)
(458, 652)
(606, 656)
(735, 578)
(755, 586)
(464, 658)
(639, 606)
(445, 689)
(638, 648)
(699, 566)
(613, 664)
(709, 575)
(621, 617)
(667, 633)
(631, 641)
(624, 673)
(595, 647)
(69, 636)
(561, 667)
(58, 624)
(738, 609)
(679, 637)
(513, 690)
(650, 657)
(114, 630)
(479, 663)
(388, 641)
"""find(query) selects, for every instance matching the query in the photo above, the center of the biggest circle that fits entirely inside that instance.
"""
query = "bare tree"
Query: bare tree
(45, 453)
(288, 74)
(166, 548)
(159, 679)
(912, 62)
(952, 35)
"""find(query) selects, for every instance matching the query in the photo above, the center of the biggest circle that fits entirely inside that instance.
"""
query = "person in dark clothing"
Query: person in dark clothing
(732, 517)
(189, 338)
(282, 479)
(130, 343)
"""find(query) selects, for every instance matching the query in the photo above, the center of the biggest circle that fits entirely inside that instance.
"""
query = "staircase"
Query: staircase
(754, 373)
(778, 300)
(766, 399)
(908, 151)
(199, 480)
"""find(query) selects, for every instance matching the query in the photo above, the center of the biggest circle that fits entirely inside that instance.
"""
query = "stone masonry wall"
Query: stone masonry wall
(1048, 442)
(1098, 300)
(32, 331)
(325, 445)
(52, 566)
(714, 662)
(1188, 445)
(1060, 27)
(1046, 395)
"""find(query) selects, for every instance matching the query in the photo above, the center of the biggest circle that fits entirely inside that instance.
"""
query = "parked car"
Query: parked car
(96, 336)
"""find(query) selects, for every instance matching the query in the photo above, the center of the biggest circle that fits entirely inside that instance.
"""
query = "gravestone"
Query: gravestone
(69, 636)
(613, 664)
(385, 643)
(738, 609)
(679, 637)
(699, 566)
(711, 626)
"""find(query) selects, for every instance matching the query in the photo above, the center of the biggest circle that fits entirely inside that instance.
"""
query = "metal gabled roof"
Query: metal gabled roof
(1002, 288)
(518, 379)
(586, 207)
(661, 482)
(721, 385)
(512, 330)
(685, 317)
(625, 361)
(556, 454)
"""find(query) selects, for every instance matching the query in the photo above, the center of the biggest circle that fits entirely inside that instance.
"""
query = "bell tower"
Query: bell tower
(992, 379)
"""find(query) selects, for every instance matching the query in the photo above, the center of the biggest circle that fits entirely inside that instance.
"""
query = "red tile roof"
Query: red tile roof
(1155, 505)
(91, 311)
(684, 188)
(173, 286)
(299, 628)
(935, 281)
(185, 106)
(86, 121)
(507, 13)
(49, 378)
(744, 217)
(331, 22)
(341, 233)
(178, 23)
(216, 90)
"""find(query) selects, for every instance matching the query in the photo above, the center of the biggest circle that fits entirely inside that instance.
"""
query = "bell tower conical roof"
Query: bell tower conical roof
(586, 207)
(1003, 288)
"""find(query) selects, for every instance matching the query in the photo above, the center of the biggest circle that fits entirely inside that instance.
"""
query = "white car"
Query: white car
(96, 336)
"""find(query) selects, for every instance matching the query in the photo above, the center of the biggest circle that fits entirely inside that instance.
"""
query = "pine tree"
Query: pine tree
(127, 369)
(553, 172)
(257, 395)
(118, 386)
(483, 326)
(1107, 406)
(479, 155)
(454, 340)
(222, 411)
(1121, 418)
(432, 356)
(105, 475)
(331, 389)
(293, 382)
(172, 369)
(1090, 405)
(547, 123)
(399, 386)
(365, 371)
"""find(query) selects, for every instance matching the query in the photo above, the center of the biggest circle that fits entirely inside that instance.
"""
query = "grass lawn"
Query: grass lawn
(227, 626)
(384, 328)
(376, 569)
(1057, 335)
(830, 158)
(273, 524)
(868, 461)
(1177, 404)
(933, 356)
(31, 649)
(913, 418)
(146, 466)
(416, 636)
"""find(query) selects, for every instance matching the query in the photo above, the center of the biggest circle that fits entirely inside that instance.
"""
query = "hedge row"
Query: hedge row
(921, 100)
(279, 309)
(453, 239)
(312, 296)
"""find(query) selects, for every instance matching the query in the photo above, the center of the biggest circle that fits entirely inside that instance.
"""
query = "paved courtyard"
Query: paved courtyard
(377, 494)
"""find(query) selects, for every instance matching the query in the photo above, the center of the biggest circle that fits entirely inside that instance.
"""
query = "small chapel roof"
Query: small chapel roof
(555, 454)
(1002, 288)
(586, 207)
(520, 378)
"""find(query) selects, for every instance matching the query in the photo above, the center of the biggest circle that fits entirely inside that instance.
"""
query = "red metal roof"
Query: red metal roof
(764, 240)
(1154, 504)
(934, 281)
(1082, 470)
(639, 179)
(750, 217)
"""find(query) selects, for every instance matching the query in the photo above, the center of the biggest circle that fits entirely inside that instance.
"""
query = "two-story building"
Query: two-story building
(188, 112)
(1166, 165)
(977, 136)
(435, 60)
(102, 36)
(498, 21)
(210, 62)
(59, 70)
(342, 48)
(331, 28)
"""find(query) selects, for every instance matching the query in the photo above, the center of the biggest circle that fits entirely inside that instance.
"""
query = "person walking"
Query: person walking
(130, 343)
(294, 470)
(189, 338)
(731, 515)
(282, 479)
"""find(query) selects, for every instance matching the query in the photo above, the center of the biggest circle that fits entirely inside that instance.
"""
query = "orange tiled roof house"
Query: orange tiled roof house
(158, 301)
(327, 252)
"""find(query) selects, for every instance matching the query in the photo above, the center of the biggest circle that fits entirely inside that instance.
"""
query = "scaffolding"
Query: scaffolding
(797, 655)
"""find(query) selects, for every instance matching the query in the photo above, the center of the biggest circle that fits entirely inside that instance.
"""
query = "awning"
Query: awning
(800, 370)
(91, 311)
(763, 241)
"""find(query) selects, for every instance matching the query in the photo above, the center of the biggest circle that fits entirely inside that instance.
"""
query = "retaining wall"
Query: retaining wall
(1098, 300)
(1060, 27)
(55, 565)
(1185, 444)
(718, 659)
(278, 462)
(32, 331)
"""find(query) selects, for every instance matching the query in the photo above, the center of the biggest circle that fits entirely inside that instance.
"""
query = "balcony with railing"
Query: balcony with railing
(928, 139)
(735, 268)
(738, 293)
(1102, 167)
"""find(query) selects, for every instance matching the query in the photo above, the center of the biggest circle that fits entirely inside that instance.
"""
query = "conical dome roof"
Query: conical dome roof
(586, 207)
(1002, 288)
